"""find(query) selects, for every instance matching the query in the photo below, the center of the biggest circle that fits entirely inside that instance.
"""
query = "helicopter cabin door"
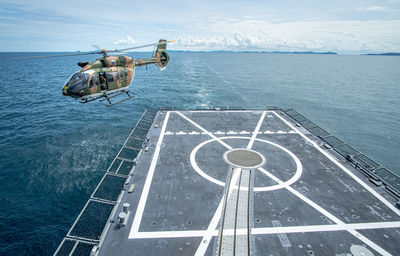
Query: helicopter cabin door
(114, 79)
(103, 81)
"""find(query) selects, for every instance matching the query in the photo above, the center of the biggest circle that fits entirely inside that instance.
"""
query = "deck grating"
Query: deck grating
(125, 168)
(66, 247)
(333, 141)
(92, 221)
(128, 153)
(115, 165)
(139, 133)
(134, 143)
(83, 249)
(110, 188)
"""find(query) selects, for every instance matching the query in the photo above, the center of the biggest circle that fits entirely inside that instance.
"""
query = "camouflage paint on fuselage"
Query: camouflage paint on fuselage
(110, 74)
(118, 72)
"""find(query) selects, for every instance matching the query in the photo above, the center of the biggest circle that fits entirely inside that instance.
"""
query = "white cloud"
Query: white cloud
(124, 41)
(339, 36)
(372, 8)
(273, 25)
(240, 41)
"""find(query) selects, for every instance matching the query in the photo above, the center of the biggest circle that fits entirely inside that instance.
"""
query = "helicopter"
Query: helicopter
(109, 76)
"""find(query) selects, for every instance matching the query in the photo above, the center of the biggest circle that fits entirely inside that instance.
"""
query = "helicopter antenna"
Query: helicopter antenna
(99, 51)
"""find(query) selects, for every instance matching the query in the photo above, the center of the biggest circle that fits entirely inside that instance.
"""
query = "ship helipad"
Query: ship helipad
(229, 181)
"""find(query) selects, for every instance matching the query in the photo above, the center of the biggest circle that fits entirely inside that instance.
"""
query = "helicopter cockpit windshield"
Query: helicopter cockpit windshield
(78, 82)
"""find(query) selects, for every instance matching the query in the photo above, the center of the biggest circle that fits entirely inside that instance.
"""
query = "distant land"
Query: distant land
(269, 52)
(329, 53)
(384, 54)
(278, 52)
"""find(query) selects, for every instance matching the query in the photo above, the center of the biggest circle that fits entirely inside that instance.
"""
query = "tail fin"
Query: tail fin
(161, 54)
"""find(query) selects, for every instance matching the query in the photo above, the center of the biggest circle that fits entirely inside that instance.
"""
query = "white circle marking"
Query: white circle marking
(294, 178)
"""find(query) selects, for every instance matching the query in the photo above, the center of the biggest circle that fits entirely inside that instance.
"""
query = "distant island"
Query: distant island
(328, 53)
(384, 54)
(274, 52)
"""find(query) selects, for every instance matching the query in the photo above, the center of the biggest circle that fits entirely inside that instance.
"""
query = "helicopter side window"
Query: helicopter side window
(94, 81)
(112, 76)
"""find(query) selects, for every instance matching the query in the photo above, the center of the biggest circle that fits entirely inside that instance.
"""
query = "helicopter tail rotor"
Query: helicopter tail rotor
(161, 54)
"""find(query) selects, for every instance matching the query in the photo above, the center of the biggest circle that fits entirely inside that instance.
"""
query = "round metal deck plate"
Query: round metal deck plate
(358, 250)
(244, 158)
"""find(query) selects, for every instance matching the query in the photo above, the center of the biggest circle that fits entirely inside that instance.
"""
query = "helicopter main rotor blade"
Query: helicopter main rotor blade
(97, 47)
(103, 51)
(141, 46)
(57, 55)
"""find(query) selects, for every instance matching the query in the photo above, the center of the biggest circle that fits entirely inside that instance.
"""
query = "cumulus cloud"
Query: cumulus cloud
(258, 35)
(124, 41)
(372, 8)
(240, 41)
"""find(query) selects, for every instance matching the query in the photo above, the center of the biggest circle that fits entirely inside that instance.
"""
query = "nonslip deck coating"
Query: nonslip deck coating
(308, 200)
(304, 203)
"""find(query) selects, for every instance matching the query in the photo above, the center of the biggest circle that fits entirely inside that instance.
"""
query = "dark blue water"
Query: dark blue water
(54, 151)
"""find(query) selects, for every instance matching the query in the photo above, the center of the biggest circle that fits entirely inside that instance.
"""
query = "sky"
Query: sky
(343, 26)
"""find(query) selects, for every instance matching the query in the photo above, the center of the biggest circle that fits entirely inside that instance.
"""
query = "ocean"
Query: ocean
(54, 150)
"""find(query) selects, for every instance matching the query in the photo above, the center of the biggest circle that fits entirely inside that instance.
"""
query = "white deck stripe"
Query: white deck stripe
(327, 155)
(339, 226)
(146, 188)
(273, 230)
(204, 130)
(301, 196)
(326, 213)
(227, 111)
(228, 133)
(250, 145)
(205, 241)
(325, 228)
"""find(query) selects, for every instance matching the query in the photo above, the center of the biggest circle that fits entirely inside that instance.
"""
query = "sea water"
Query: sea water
(54, 150)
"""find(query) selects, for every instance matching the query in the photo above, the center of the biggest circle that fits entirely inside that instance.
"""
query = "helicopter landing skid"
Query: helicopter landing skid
(110, 104)
(108, 98)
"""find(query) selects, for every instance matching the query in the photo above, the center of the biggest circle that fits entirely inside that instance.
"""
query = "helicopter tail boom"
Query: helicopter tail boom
(161, 54)
(161, 57)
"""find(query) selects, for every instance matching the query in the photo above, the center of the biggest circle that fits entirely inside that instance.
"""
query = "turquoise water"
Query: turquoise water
(54, 151)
